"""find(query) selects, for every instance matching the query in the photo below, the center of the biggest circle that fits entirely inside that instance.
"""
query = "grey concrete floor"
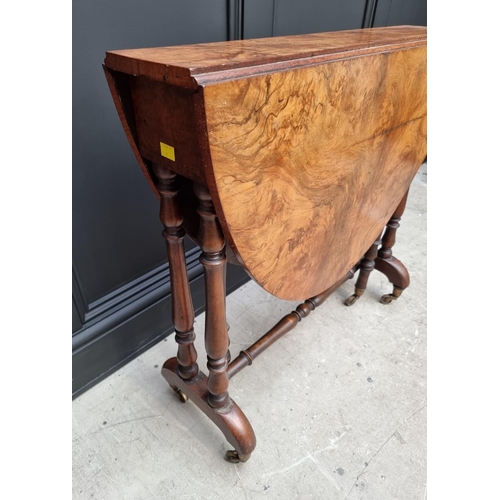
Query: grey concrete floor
(338, 405)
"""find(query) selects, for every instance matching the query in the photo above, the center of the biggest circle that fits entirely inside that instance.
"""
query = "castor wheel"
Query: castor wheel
(182, 397)
(388, 298)
(351, 300)
(233, 457)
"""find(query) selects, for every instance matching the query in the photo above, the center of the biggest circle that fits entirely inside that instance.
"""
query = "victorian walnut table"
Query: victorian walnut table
(288, 156)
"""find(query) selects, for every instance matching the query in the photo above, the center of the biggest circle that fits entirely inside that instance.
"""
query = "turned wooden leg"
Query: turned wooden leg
(182, 304)
(386, 263)
(213, 259)
(365, 268)
(210, 393)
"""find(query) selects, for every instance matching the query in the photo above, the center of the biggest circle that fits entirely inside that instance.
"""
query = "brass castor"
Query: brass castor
(182, 397)
(353, 298)
(233, 457)
(388, 298)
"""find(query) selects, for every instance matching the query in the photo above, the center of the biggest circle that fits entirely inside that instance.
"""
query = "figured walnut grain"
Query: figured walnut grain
(308, 165)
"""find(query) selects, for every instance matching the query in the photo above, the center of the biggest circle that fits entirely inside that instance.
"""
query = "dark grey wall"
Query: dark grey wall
(396, 12)
(120, 275)
(264, 18)
(116, 215)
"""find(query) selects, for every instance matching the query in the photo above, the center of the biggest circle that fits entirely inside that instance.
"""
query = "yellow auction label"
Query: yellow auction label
(167, 151)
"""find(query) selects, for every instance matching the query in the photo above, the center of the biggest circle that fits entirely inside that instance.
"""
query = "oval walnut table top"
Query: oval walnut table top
(308, 154)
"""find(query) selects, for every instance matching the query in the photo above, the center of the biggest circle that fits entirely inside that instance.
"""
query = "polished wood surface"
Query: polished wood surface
(200, 64)
(322, 154)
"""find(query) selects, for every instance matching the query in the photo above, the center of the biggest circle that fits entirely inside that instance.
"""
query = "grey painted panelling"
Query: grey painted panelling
(117, 234)
(397, 12)
(77, 322)
(265, 18)
(258, 18)
(234, 19)
(294, 17)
